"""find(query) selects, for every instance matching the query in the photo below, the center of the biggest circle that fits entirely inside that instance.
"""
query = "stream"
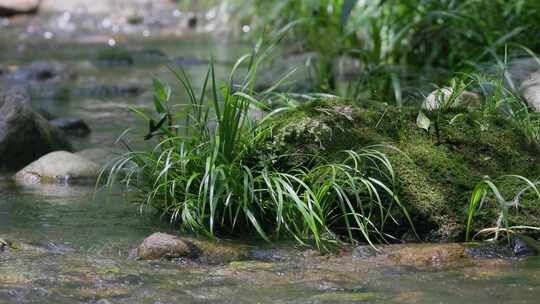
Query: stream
(77, 239)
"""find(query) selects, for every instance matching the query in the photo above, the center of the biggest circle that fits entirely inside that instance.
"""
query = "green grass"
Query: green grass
(487, 191)
(401, 43)
(200, 172)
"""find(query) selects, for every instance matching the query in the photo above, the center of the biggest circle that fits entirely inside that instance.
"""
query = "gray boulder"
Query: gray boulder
(59, 167)
(530, 90)
(24, 134)
(165, 246)
(14, 7)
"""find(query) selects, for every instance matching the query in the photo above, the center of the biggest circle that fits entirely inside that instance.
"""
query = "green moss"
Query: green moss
(316, 130)
(435, 179)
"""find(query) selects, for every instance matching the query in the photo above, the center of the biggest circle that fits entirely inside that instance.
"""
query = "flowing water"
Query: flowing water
(74, 242)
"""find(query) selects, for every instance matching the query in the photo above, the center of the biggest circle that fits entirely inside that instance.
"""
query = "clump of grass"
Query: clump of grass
(499, 100)
(199, 173)
(487, 191)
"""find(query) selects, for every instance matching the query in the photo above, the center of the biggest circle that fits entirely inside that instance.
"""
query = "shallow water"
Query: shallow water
(78, 241)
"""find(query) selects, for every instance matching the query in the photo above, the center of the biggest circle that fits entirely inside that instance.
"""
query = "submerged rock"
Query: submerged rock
(364, 252)
(212, 252)
(4, 244)
(440, 96)
(101, 91)
(530, 90)
(518, 246)
(425, 255)
(24, 134)
(15, 7)
(58, 167)
(264, 255)
(71, 126)
(165, 246)
(118, 56)
(42, 72)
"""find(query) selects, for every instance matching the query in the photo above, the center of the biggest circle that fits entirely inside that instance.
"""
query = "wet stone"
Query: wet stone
(515, 247)
(59, 167)
(101, 91)
(364, 252)
(129, 279)
(425, 255)
(4, 245)
(42, 72)
(264, 255)
(24, 134)
(165, 246)
(125, 57)
(71, 126)
(523, 246)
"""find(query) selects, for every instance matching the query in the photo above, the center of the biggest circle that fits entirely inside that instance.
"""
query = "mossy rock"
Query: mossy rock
(299, 138)
(436, 175)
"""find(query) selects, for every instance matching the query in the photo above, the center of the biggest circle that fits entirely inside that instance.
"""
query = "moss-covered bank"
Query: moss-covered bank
(435, 179)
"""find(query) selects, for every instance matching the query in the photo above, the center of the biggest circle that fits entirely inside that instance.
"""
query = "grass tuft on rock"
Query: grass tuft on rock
(212, 169)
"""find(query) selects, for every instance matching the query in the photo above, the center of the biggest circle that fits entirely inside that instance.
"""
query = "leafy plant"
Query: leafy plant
(440, 102)
(487, 191)
(500, 100)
